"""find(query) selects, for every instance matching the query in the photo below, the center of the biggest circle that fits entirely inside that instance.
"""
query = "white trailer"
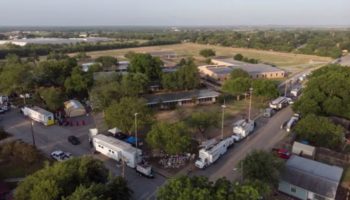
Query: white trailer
(280, 103)
(242, 128)
(117, 149)
(39, 115)
(208, 156)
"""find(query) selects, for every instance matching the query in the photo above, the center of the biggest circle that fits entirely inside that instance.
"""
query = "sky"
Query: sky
(174, 12)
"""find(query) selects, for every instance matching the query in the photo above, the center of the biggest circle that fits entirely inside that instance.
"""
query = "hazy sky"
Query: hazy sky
(174, 12)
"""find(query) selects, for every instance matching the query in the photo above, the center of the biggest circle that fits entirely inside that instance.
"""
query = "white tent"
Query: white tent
(74, 108)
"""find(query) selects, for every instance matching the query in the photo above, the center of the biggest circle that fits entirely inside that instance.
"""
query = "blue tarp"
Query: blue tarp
(130, 140)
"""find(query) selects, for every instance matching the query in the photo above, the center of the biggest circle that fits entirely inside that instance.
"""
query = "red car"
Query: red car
(282, 153)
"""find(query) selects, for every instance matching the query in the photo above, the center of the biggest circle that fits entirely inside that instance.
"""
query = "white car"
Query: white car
(60, 155)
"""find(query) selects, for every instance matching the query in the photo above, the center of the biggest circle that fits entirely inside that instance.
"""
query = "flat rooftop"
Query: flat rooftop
(180, 96)
(248, 67)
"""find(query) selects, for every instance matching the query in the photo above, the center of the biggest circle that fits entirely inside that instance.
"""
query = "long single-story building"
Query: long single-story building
(166, 100)
(222, 68)
(309, 180)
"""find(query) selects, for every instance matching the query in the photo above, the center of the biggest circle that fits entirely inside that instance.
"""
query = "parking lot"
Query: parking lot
(52, 138)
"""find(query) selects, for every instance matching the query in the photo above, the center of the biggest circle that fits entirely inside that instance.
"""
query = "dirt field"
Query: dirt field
(290, 61)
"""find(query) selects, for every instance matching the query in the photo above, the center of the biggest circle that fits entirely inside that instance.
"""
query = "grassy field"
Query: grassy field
(294, 62)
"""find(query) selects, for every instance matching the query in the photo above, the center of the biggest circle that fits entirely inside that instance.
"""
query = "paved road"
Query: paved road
(264, 138)
(53, 138)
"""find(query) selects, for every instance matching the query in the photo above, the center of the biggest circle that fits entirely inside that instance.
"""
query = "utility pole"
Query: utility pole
(136, 128)
(250, 103)
(32, 131)
(222, 122)
(242, 178)
(285, 89)
(123, 161)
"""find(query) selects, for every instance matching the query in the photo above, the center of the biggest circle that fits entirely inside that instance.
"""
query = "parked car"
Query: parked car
(282, 153)
(60, 155)
(73, 140)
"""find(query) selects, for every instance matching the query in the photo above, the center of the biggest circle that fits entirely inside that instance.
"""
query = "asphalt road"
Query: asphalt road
(52, 138)
(265, 137)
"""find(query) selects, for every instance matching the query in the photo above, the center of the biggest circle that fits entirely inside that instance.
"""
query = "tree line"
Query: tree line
(326, 95)
(33, 50)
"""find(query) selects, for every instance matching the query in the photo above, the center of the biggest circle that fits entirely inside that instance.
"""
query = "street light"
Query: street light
(250, 103)
(136, 128)
(222, 123)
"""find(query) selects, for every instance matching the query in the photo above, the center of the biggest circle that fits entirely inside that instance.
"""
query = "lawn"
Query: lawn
(289, 61)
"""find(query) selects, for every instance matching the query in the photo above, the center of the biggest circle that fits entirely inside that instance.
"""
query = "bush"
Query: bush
(3, 134)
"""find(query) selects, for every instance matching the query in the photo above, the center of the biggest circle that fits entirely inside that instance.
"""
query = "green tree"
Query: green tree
(146, 64)
(185, 78)
(101, 96)
(93, 192)
(118, 189)
(327, 93)
(207, 53)
(53, 97)
(16, 78)
(21, 151)
(245, 192)
(77, 178)
(262, 166)
(134, 84)
(107, 61)
(265, 88)
(201, 120)
(238, 57)
(172, 138)
(237, 86)
(200, 188)
(121, 114)
(54, 72)
(78, 83)
(320, 131)
(182, 188)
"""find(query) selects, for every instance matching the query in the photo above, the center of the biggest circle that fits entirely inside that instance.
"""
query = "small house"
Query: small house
(307, 179)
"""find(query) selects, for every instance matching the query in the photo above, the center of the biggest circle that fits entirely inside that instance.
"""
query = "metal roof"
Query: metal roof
(313, 176)
(180, 96)
(41, 111)
(248, 67)
(220, 70)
